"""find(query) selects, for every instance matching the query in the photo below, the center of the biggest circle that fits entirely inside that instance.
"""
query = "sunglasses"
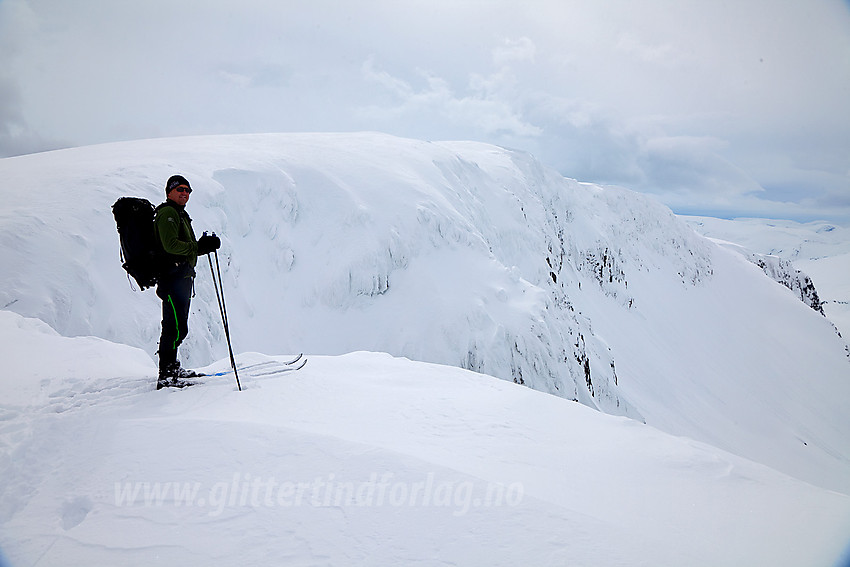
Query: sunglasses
(182, 189)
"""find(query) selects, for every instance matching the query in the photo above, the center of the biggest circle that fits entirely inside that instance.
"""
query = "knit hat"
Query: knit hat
(175, 181)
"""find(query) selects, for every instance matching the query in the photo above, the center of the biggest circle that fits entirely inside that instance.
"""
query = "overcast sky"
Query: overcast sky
(728, 108)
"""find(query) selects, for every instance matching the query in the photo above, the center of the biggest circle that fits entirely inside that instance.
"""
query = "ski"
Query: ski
(287, 363)
(290, 368)
(294, 360)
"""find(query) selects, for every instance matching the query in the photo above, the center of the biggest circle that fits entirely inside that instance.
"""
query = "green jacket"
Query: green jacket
(174, 231)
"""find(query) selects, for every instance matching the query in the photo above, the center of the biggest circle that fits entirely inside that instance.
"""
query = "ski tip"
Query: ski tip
(294, 360)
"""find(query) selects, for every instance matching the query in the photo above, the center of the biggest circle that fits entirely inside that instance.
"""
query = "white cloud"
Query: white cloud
(482, 110)
(398, 87)
(616, 91)
(661, 54)
(513, 50)
(690, 165)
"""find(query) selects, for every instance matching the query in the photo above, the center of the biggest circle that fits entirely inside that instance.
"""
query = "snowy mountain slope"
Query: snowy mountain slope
(455, 253)
(365, 459)
(784, 272)
(819, 249)
(319, 234)
(764, 401)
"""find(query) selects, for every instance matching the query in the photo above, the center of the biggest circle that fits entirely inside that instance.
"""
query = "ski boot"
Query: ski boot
(174, 376)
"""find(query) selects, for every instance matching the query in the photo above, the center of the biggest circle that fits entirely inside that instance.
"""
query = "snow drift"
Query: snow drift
(364, 459)
(461, 254)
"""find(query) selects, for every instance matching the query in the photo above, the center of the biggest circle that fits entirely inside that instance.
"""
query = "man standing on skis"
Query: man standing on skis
(173, 229)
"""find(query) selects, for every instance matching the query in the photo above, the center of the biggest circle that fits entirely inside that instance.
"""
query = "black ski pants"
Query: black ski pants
(176, 295)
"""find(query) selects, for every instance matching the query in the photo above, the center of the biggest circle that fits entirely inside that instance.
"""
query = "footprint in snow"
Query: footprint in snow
(75, 511)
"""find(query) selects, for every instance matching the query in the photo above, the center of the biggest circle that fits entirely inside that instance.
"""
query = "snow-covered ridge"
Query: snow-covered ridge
(456, 253)
(818, 250)
(783, 271)
(492, 244)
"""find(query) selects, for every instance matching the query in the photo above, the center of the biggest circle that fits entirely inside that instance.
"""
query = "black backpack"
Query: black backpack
(140, 251)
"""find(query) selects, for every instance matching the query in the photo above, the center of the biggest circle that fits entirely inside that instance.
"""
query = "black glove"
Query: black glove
(207, 243)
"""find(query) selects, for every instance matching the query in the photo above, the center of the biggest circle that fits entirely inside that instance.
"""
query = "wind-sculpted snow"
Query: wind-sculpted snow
(361, 460)
(456, 253)
(462, 254)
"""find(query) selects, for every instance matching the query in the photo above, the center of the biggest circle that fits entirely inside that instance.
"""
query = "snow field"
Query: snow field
(366, 458)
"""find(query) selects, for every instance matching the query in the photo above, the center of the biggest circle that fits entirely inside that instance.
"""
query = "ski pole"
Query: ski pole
(223, 309)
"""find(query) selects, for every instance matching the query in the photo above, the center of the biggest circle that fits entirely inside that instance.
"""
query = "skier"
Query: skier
(173, 229)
